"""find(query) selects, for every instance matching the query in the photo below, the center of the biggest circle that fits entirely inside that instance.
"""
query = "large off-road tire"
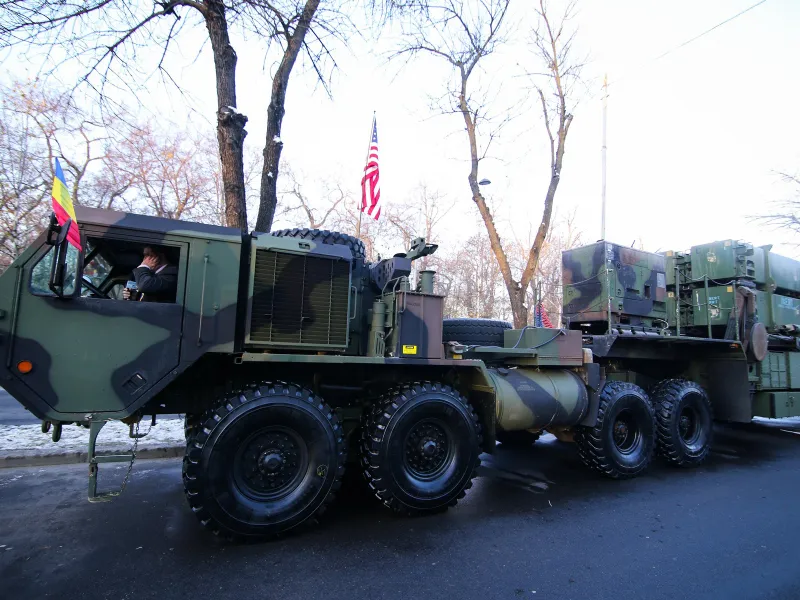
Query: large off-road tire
(474, 332)
(421, 446)
(684, 421)
(191, 423)
(265, 460)
(323, 236)
(517, 439)
(622, 442)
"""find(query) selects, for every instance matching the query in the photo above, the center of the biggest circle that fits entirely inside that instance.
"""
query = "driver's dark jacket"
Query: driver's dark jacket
(157, 287)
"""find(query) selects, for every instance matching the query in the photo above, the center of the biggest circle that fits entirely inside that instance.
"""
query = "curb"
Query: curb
(10, 459)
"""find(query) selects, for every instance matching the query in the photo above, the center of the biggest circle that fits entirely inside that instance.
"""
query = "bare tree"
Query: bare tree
(469, 277)
(23, 185)
(546, 287)
(786, 213)
(37, 126)
(170, 174)
(291, 28)
(325, 203)
(63, 130)
(464, 35)
(105, 36)
(298, 208)
(422, 214)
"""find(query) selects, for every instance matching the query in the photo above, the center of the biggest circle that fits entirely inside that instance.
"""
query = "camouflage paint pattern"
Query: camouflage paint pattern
(299, 294)
(537, 399)
(551, 347)
(97, 357)
(633, 280)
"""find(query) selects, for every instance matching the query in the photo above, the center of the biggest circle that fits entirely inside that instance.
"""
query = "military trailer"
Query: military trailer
(294, 358)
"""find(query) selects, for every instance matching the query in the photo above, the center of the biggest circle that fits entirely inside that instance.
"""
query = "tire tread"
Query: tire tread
(195, 446)
(589, 440)
(666, 396)
(325, 236)
(373, 429)
(481, 332)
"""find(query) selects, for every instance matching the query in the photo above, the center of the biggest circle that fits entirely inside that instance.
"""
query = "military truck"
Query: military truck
(294, 358)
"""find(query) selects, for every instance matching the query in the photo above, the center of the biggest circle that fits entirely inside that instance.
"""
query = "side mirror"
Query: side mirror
(57, 237)
(57, 234)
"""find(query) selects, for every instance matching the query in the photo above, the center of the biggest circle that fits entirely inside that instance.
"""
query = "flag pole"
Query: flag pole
(366, 162)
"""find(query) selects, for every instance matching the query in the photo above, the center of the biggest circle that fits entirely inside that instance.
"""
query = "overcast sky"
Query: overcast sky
(694, 138)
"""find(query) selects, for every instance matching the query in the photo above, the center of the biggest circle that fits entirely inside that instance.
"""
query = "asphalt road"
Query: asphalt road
(13, 413)
(536, 525)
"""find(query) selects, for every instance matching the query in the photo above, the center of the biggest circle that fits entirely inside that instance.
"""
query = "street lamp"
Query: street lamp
(484, 182)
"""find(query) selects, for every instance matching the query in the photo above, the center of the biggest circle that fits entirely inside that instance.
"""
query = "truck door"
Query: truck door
(91, 351)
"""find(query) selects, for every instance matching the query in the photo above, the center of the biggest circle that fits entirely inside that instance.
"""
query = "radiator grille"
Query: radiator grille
(299, 300)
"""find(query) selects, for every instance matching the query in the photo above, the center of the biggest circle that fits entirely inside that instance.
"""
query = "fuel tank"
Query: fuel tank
(536, 399)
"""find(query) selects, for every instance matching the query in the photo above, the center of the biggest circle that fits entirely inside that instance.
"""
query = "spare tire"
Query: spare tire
(323, 236)
(474, 332)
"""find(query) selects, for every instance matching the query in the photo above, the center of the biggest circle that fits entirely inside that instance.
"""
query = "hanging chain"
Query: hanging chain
(133, 458)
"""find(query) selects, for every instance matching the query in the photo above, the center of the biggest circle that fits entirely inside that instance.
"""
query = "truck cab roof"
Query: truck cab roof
(111, 218)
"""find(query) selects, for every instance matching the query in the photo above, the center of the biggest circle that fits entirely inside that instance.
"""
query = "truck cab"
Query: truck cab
(87, 353)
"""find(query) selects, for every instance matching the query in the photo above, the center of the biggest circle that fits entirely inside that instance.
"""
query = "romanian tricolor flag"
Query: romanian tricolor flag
(62, 207)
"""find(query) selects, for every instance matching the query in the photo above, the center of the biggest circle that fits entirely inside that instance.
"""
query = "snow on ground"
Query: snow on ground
(167, 432)
(114, 436)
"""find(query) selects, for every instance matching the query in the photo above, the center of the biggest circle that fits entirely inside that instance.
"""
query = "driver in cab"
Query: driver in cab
(155, 279)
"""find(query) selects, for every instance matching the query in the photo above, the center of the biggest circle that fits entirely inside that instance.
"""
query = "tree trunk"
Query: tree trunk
(556, 163)
(230, 122)
(516, 294)
(274, 144)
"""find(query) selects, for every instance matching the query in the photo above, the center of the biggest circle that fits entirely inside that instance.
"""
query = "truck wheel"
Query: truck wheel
(474, 332)
(191, 422)
(323, 236)
(684, 422)
(266, 460)
(517, 439)
(622, 442)
(421, 448)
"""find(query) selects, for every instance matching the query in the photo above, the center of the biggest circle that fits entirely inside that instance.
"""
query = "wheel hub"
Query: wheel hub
(620, 432)
(426, 449)
(688, 427)
(429, 448)
(270, 462)
(626, 433)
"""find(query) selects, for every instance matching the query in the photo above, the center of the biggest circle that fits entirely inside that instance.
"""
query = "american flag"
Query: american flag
(540, 317)
(370, 183)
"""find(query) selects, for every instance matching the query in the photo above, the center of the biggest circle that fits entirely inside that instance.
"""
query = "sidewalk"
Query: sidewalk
(26, 445)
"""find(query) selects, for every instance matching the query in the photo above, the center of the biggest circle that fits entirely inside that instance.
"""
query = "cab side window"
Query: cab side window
(97, 269)
(40, 274)
(112, 270)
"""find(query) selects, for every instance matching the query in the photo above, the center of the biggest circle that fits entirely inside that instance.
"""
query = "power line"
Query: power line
(694, 39)
(717, 26)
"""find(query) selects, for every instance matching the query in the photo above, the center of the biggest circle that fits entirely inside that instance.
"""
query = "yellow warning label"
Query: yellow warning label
(670, 294)
(409, 349)
(730, 288)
